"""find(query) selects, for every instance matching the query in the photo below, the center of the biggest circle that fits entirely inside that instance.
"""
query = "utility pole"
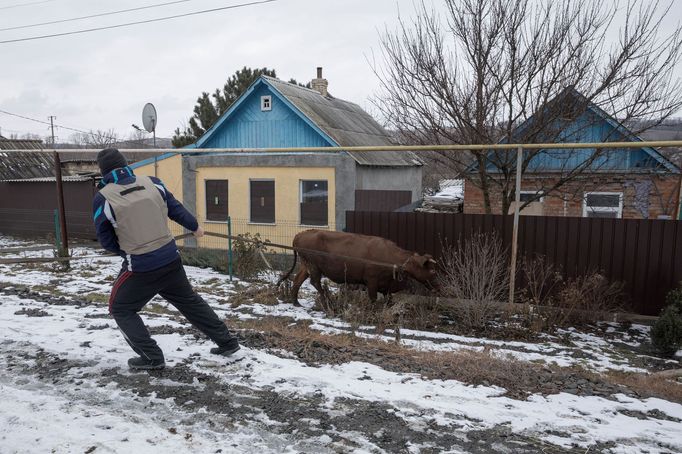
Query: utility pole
(64, 249)
(515, 227)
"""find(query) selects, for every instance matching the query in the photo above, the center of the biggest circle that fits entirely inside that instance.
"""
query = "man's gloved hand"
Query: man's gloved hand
(198, 232)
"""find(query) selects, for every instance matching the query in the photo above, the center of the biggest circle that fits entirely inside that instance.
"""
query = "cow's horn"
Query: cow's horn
(432, 261)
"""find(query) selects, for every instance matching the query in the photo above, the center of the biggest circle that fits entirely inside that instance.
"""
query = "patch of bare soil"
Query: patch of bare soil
(32, 312)
(302, 419)
(519, 378)
(477, 368)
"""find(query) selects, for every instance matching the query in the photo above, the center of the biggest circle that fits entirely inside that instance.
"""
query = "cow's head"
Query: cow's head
(422, 268)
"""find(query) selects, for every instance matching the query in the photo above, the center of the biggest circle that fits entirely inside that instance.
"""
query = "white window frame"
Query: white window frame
(618, 210)
(262, 223)
(540, 200)
(300, 201)
(267, 99)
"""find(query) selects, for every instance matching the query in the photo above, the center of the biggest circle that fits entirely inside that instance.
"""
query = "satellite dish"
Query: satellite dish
(149, 117)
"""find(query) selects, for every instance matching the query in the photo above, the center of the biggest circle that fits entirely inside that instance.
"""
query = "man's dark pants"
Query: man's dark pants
(131, 291)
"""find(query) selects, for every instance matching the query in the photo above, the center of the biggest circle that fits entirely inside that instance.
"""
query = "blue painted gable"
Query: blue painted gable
(592, 126)
(245, 125)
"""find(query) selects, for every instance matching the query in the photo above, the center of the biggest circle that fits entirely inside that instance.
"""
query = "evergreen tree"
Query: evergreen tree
(210, 107)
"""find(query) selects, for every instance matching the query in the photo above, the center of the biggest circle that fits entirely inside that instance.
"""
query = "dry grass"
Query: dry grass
(551, 301)
(96, 298)
(403, 310)
(265, 294)
(519, 378)
(649, 384)
(472, 367)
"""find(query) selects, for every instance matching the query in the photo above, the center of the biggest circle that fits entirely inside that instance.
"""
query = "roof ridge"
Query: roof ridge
(289, 83)
(329, 97)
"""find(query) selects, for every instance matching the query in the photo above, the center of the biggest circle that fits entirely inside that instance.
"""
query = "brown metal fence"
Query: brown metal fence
(40, 223)
(644, 254)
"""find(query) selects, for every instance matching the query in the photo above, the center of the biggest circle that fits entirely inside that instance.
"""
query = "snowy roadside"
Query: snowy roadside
(65, 387)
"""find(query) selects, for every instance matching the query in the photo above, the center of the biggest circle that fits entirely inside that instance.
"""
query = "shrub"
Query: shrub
(542, 280)
(248, 263)
(352, 304)
(666, 333)
(554, 302)
(674, 298)
(477, 274)
(586, 299)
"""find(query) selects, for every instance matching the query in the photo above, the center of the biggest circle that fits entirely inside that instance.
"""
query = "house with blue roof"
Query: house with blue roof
(635, 183)
(279, 194)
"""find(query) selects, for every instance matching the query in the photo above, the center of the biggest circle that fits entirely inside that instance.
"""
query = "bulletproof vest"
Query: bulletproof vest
(141, 215)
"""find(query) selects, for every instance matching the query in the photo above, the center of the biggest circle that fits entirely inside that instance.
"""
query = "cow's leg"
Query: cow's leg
(372, 290)
(299, 279)
(316, 280)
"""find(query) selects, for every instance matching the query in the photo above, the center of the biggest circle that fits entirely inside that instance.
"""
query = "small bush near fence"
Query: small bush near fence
(247, 263)
(475, 273)
(352, 304)
(666, 334)
(552, 301)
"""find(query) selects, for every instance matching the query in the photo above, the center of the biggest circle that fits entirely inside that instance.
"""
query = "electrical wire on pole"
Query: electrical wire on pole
(54, 142)
(63, 248)
(19, 5)
(91, 16)
(51, 124)
(147, 21)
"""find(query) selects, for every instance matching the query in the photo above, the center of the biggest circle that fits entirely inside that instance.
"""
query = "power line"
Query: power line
(89, 133)
(109, 13)
(50, 124)
(25, 4)
(194, 13)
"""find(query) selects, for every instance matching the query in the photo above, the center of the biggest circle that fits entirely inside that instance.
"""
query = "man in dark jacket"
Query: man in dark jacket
(130, 215)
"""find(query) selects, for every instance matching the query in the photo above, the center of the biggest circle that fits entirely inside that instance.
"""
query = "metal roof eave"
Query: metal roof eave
(152, 160)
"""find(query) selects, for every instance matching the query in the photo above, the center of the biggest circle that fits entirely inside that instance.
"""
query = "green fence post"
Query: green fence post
(229, 247)
(57, 234)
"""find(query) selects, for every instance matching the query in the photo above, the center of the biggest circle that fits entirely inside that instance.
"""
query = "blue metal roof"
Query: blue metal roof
(301, 117)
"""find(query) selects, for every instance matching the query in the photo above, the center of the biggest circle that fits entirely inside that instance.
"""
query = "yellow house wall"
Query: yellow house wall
(287, 195)
(169, 170)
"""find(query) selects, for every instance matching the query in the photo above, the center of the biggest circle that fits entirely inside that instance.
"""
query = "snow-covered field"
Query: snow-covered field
(65, 386)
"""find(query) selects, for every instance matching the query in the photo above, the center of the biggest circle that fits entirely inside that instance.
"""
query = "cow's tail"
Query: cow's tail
(291, 270)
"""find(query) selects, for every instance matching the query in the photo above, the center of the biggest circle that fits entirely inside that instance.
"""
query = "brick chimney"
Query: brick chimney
(319, 84)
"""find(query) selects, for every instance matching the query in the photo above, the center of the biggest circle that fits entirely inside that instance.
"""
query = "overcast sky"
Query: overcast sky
(102, 80)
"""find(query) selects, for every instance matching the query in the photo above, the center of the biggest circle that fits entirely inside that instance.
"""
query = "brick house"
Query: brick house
(634, 183)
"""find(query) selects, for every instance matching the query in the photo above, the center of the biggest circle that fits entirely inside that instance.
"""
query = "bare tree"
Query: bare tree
(79, 140)
(101, 138)
(478, 75)
(136, 139)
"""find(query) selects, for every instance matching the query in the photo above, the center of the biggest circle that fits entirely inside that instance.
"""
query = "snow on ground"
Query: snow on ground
(587, 350)
(76, 408)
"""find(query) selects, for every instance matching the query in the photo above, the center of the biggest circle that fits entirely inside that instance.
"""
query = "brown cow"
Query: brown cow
(386, 279)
